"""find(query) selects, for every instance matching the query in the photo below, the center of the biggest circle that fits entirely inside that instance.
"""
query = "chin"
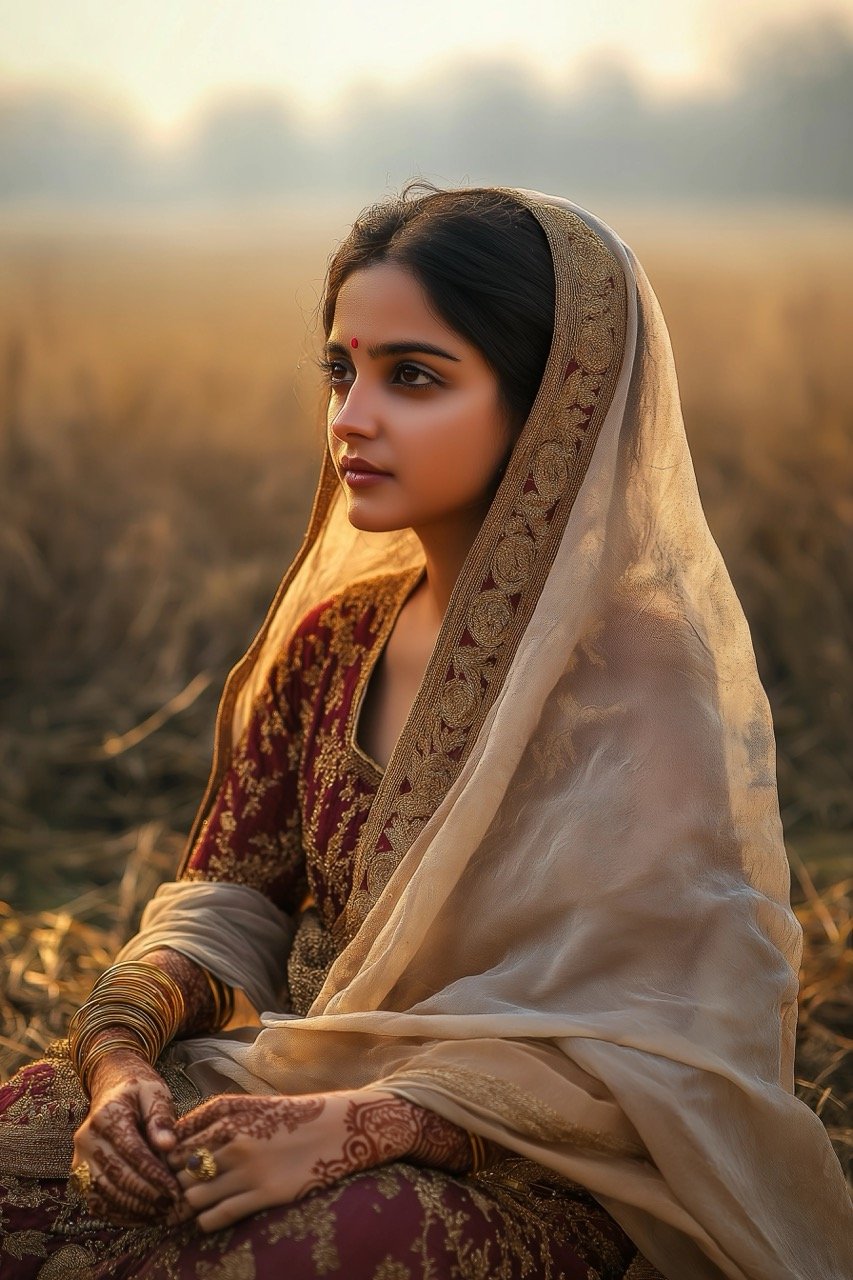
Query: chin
(375, 522)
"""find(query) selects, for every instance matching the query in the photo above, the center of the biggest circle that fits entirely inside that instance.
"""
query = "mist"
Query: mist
(780, 131)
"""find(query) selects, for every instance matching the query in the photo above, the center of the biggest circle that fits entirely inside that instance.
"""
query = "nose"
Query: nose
(357, 416)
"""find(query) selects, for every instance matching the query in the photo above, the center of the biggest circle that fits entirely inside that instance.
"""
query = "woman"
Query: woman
(494, 787)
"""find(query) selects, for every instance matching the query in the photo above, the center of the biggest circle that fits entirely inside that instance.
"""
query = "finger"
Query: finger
(160, 1124)
(178, 1214)
(124, 1210)
(152, 1183)
(185, 1146)
(135, 1154)
(187, 1134)
(195, 1122)
(101, 1203)
(224, 1165)
(175, 1159)
(115, 1134)
(227, 1212)
(119, 1182)
(126, 1191)
(203, 1195)
(216, 1139)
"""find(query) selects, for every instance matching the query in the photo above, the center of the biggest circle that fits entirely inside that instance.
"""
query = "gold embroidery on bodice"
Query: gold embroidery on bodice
(341, 770)
(300, 786)
(337, 778)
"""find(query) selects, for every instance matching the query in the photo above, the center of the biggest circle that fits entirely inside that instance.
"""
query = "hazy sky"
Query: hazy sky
(164, 58)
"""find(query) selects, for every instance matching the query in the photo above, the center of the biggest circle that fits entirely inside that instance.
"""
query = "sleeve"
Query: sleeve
(253, 833)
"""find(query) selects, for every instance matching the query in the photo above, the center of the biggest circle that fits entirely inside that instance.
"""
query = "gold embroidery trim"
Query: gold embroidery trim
(642, 1269)
(337, 764)
(520, 1111)
(511, 557)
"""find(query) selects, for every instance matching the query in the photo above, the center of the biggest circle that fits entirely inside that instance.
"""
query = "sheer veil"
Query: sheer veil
(571, 929)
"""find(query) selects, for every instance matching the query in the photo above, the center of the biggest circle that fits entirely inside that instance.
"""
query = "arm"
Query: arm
(272, 1151)
(128, 1094)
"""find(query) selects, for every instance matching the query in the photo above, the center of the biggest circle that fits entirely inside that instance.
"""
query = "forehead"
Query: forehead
(385, 301)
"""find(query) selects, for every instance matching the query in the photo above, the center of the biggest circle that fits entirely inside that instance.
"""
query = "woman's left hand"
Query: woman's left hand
(271, 1150)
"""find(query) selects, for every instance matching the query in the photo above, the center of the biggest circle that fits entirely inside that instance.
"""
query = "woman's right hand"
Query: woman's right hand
(129, 1131)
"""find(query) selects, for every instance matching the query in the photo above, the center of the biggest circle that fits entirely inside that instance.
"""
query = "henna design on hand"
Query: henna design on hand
(440, 1143)
(360, 1130)
(130, 1180)
(162, 1114)
(231, 1116)
(385, 1129)
(123, 1192)
(130, 1117)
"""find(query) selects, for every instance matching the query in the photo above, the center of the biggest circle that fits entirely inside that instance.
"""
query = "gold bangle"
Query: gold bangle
(147, 980)
(478, 1153)
(146, 984)
(93, 1020)
(223, 999)
(112, 1017)
(134, 997)
(102, 1050)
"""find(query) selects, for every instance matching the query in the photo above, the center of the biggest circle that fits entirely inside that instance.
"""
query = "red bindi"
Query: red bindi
(353, 342)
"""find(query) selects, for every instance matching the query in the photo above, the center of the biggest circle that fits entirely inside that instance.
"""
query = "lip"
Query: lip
(360, 466)
(364, 479)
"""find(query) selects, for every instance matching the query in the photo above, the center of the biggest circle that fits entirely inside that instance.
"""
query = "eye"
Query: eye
(336, 371)
(412, 375)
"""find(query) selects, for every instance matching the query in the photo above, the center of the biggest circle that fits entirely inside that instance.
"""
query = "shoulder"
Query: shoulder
(340, 629)
(357, 605)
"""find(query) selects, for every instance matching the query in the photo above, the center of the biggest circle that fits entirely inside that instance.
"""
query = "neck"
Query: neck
(446, 546)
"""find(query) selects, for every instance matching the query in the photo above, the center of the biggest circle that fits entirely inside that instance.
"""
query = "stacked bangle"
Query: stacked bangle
(478, 1153)
(139, 1003)
(223, 1001)
(109, 1044)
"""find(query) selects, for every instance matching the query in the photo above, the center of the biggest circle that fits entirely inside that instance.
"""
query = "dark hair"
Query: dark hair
(485, 264)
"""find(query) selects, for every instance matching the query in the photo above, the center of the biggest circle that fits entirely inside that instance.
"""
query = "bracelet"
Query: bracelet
(101, 1050)
(223, 997)
(223, 1000)
(478, 1153)
(134, 997)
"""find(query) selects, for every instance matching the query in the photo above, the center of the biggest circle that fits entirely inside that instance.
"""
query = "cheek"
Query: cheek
(462, 443)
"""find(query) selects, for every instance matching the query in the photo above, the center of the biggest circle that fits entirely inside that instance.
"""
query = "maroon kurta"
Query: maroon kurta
(286, 821)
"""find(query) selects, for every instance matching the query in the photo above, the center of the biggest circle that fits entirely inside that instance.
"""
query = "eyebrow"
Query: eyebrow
(406, 348)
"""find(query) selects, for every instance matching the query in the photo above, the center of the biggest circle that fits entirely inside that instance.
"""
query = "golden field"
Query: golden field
(158, 443)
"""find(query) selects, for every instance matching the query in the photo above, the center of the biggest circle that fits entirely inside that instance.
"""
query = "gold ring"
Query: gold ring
(202, 1165)
(80, 1178)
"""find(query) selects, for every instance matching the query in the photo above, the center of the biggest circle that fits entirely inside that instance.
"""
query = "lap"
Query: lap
(398, 1222)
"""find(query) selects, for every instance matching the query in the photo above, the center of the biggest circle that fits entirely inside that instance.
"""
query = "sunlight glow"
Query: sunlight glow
(167, 58)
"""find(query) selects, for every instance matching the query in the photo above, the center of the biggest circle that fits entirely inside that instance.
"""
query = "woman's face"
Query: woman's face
(415, 401)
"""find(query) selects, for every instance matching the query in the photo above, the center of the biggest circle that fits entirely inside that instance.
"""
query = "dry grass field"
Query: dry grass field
(158, 442)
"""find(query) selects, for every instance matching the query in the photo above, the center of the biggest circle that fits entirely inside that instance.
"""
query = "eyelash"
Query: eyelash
(328, 365)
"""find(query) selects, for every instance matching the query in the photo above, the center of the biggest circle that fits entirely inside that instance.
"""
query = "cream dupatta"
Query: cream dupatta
(571, 929)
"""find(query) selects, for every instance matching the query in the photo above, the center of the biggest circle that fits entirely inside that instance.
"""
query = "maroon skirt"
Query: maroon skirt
(513, 1221)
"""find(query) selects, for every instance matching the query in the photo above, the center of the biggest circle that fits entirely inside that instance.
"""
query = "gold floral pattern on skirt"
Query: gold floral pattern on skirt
(513, 1221)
